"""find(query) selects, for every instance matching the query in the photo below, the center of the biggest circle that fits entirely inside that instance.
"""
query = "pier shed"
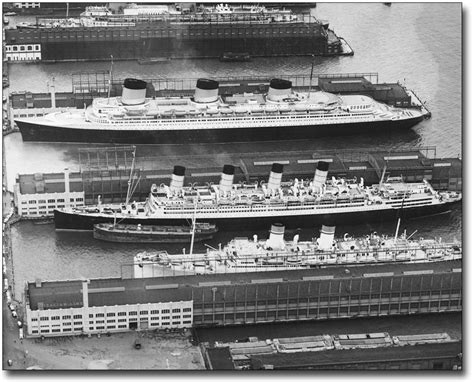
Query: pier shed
(120, 304)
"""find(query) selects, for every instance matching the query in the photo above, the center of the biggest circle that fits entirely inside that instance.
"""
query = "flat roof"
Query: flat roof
(333, 358)
(117, 291)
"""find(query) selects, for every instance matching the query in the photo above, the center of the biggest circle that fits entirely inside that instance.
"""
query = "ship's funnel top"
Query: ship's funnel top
(177, 179)
(206, 91)
(276, 240)
(274, 179)
(227, 178)
(134, 91)
(327, 237)
(321, 174)
(279, 89)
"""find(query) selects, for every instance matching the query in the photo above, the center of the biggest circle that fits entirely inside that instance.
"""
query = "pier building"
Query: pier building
(240, 298)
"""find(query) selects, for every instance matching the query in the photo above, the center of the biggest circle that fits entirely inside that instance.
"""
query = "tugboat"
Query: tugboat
(137, 233)
(244, 255)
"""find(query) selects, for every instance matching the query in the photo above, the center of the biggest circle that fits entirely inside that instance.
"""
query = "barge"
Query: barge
(129, 233)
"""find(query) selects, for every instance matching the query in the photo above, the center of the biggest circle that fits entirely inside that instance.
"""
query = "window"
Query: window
(176, 317)
(77, 323)
(165, 311)
(79, 200)
(155, 312)
(91, 322)
(91, 316)
(67, 329)
(71, 199)
(111, 327)
(121, 313)
(165, 317)
(100, 327)
(100, 321)
(60, 200)
(34, 319)
(110, 314)
(143, 311)
(55, 318)
(99, 314)
(41, 201)
(44, 319)
(176, 322)
(122, 320)
(111, 321)
(44, 330)
(32, 202)
(176, 310)
(186, 309)
(122, 326)
(132, 313)
(77, 316)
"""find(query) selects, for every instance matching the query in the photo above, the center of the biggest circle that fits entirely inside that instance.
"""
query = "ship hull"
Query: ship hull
(140, 237)
(35, 132)
(73, 221)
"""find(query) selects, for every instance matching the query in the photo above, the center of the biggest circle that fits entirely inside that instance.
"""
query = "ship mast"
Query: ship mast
(110, 77)
(193, 228)
(129, 193)
(311, 75)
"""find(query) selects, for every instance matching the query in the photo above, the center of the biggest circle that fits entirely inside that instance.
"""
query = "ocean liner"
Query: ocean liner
(296, 204)
(281, 114)
(252, 255)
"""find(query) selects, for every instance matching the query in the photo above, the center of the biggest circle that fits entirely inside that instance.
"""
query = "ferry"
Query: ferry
(206, 117)
(252, 255)
(296, 203)
(131, 233)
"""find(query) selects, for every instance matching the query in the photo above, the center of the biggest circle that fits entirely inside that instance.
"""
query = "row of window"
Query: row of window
(52, 201)
(102, 327)
(22, 48)
(113, 314)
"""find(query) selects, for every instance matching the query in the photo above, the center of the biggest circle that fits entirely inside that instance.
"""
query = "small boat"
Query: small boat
(234, 57)
(137, 233)
(10, 14)
(45, 221)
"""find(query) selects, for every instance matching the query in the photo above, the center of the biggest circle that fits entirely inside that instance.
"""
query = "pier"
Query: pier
(243, 298)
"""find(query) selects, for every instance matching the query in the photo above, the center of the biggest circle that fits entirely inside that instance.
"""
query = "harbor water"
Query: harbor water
(418, 44)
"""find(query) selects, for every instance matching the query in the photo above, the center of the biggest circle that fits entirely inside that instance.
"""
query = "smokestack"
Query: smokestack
(134, 92)
(275, 241)
(177, 179)
(227, 178)
(206, 91)
(279, 89)
(274, 180)
(327, 237)
(320, 175)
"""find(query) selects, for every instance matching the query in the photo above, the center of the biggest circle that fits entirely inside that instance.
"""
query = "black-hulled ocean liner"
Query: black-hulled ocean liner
(281, 114)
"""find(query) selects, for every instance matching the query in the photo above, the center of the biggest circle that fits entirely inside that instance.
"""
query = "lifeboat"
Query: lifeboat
(212, 111)
(301, 107)
(225, 111)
